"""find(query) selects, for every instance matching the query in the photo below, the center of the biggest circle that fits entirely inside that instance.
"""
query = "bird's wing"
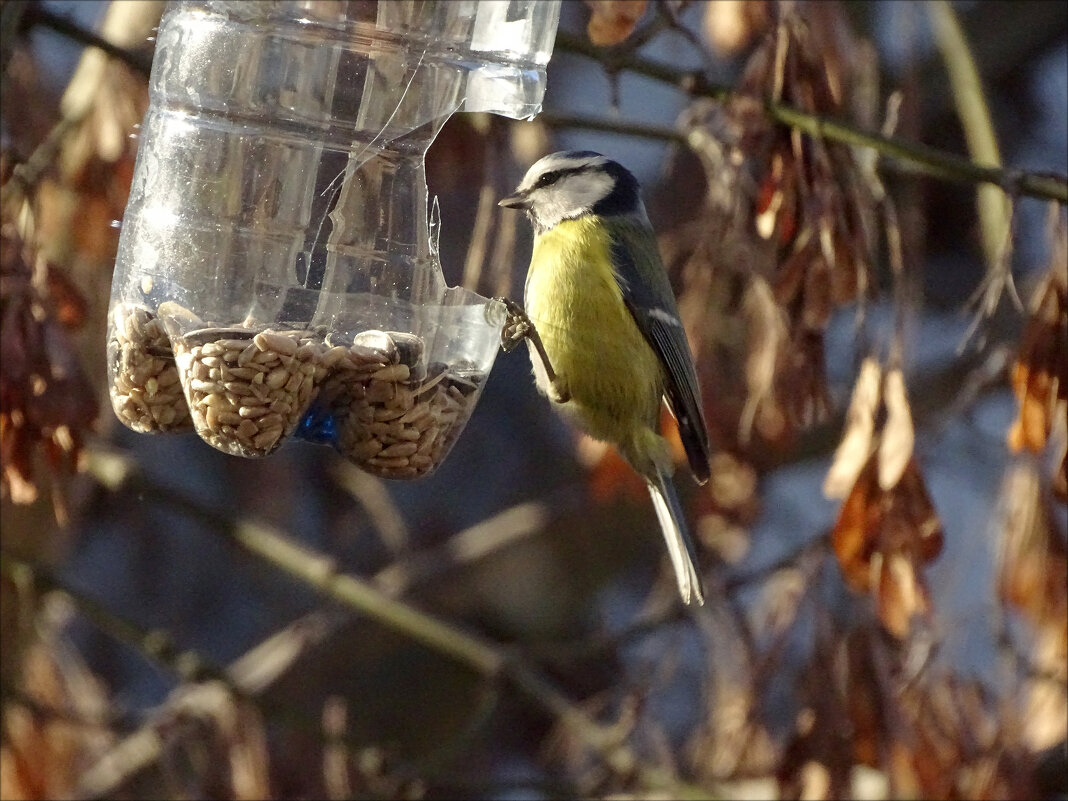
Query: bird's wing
(648, 296)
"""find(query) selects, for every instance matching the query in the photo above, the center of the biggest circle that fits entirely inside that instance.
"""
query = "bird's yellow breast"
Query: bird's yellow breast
(590, 337)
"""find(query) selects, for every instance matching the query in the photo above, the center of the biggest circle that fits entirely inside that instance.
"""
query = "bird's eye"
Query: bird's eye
(546, 179)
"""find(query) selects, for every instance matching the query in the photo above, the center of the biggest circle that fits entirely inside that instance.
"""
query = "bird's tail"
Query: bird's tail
(679, 544)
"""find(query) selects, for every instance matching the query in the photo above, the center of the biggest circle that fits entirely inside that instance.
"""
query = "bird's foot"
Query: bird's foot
(517, 327)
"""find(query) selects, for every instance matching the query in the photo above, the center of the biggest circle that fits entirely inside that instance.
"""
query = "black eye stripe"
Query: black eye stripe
(551, 177)
(548, 178)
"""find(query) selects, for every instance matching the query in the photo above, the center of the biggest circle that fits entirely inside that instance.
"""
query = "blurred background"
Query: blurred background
(887, 613)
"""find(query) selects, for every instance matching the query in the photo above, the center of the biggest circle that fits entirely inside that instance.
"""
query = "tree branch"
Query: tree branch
(317, 571)
(156, 644)
(994, 209)
(38, 14)
(913, 155)
(642, 130)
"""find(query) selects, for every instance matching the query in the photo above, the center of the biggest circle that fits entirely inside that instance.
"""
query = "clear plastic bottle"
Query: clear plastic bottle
(276, 272)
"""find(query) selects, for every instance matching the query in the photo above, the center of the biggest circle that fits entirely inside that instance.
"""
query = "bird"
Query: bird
(605, 338)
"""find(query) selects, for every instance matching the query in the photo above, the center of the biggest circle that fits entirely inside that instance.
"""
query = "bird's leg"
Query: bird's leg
(519, 327)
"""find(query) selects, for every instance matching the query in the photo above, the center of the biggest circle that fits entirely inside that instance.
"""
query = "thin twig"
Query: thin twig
(11, 26)
(110, 721)
(156, 644)
(370, 492)
(317, 571)
(26, 176)
(974, 113)
(240, 679)
(919, 157)
(476, 543)
(560, 651)
(39, 14)
(476, 251)
(642, 130)
(464, 647)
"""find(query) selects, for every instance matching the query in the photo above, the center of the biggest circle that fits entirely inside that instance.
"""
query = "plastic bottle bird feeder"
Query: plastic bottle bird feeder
(276, 272)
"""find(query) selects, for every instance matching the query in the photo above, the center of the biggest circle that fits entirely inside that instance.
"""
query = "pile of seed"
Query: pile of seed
(247, 391)
(395, 417)
(414, 429)
(146, 393)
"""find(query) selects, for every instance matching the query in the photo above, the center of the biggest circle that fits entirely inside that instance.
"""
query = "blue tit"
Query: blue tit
(608, 344)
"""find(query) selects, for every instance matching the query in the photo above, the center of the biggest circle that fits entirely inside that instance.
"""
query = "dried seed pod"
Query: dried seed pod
(858, 439)
(813, 205)
(898, 435)
(612, 21)
(1040, 373)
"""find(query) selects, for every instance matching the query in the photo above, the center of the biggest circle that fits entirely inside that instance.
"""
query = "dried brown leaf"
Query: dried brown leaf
(864, 700)
(612, 21)
(900, 594)
(1028, 431)
(803, 382)
(67, 300)
(1032, 559)
(810, 202)
(816, 307)
(897, 437)
(790, 277)
(767, 337)
(1059, 483)
(731, 25)
(852, 535)
(775, 210)
(46, 401)
(882, 540)
(1040, 375)
(857, 441)
(47, 742)
(921, 522)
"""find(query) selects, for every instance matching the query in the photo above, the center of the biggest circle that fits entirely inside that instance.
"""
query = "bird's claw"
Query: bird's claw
(517, 327)
(511, 306)
(515, 331)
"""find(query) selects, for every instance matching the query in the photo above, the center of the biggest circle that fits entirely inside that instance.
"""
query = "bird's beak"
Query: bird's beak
(517, 201)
